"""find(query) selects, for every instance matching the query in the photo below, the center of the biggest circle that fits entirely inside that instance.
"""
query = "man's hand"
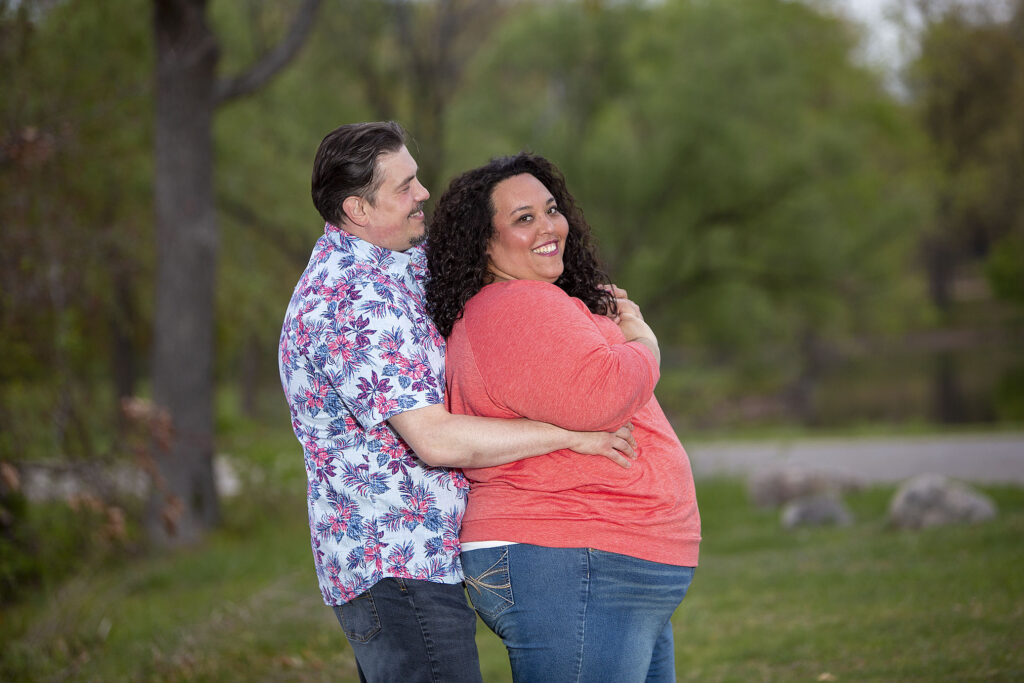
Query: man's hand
(618, 446)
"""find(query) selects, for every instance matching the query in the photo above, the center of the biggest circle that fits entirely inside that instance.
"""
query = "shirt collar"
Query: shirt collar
(395, 262)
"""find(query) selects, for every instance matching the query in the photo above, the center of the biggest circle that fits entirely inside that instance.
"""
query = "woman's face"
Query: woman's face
(529, 231)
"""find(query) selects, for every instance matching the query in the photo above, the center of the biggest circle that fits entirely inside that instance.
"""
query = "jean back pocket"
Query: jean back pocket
(359, 618)
(487, 580)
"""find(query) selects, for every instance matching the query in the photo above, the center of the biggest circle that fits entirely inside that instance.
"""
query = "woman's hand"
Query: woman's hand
(618, 446)
(631, 322)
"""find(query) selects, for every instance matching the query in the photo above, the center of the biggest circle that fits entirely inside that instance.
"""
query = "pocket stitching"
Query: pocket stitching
(497, 590)
(372, 631)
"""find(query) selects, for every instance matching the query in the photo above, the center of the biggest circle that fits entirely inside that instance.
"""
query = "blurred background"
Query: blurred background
(817, 205)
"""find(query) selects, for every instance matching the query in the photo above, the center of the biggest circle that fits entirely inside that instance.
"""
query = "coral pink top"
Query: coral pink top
(526, 349)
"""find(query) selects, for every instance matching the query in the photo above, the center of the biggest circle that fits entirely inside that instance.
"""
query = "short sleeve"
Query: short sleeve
(380, 353)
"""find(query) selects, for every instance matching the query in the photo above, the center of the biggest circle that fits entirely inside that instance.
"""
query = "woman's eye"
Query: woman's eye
(525, 218)
(553, 210)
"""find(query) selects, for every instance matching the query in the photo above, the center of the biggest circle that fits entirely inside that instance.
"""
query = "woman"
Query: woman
(577, 564)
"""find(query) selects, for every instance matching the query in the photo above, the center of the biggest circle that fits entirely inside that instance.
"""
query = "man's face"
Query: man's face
(396, 218)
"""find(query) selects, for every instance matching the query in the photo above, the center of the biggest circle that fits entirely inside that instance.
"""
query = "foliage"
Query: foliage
(968, 84)
(51, 542)
(74, 194)
(754, 189)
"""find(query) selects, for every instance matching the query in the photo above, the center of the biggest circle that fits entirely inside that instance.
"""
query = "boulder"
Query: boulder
(931, 500)
(42, 481)
(820, 510)
(776, 485)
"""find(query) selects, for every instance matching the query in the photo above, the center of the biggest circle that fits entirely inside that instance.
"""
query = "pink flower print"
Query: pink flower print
(340, 344)
(318, 454)
(415, 512)
(315, 398)
(302, 339)
(337, 525)
(384, 405)
(418, 369)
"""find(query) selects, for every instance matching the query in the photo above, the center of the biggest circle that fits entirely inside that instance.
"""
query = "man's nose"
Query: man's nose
(422, 194)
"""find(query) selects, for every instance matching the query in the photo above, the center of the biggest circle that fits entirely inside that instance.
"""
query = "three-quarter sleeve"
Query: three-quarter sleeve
(542, 355)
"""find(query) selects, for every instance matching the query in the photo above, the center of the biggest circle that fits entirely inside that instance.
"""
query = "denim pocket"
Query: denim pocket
(487, 580)
(359, 618)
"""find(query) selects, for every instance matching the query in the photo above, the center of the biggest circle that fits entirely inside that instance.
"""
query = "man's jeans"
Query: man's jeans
(578, 614)
(410, 630)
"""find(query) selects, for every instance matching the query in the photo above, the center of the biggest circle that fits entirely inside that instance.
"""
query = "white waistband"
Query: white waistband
(477, 545)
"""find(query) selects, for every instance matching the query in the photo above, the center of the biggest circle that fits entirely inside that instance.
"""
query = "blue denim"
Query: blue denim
(578, 614)
(409, 630)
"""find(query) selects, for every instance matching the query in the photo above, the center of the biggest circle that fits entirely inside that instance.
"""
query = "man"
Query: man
(363, 371)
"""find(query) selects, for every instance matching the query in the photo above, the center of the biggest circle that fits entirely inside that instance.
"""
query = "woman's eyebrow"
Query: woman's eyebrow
(550, 201)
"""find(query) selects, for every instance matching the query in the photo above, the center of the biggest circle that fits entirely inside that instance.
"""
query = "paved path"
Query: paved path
(982, 458)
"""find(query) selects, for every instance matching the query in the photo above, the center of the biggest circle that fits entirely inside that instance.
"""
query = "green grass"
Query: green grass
(859, 603)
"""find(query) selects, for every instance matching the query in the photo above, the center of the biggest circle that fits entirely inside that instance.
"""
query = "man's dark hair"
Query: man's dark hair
(346, 165)
(462, 227)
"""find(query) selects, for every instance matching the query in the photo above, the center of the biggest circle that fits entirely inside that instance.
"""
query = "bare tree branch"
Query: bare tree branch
(257, 224)
(262, 71)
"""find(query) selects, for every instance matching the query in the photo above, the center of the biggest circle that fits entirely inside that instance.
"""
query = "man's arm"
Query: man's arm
(441, 439)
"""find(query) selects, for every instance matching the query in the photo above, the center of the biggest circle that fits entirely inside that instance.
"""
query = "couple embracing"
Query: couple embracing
(489, 392)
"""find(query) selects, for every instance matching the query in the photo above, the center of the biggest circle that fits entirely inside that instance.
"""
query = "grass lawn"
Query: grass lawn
(851, 604)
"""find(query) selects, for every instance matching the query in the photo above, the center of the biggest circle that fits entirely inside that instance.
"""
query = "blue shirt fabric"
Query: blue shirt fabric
(357, 347)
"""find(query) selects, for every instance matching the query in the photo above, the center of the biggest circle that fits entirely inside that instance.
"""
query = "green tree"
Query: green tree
(968, 83)
(752, 186)
(75, 198)
(188, 91)
(408, 58)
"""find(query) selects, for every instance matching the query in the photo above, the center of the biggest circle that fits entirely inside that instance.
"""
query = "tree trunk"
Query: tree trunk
(948, 404)
(184, 503)
(801, 391)
(253, 358)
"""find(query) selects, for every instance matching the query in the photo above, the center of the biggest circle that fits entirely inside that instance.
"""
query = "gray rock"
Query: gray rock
(774, 486)
(821, 510)
(931, 500)
(65, 480)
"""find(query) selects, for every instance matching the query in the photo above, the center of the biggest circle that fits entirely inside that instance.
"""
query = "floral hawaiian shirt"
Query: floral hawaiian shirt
(357, 347)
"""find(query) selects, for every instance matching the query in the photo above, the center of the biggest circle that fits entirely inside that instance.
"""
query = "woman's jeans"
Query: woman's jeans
(578, 614)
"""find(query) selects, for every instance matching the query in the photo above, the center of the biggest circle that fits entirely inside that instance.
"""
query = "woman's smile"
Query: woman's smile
(529, 231)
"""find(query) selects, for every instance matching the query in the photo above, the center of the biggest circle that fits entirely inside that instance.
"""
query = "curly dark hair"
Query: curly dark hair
(462, 227)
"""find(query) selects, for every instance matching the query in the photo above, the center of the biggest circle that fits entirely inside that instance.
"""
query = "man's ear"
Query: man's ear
(355, 210)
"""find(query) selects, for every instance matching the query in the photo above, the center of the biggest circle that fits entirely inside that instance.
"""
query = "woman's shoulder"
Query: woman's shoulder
(521, 297)
(519, 287)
